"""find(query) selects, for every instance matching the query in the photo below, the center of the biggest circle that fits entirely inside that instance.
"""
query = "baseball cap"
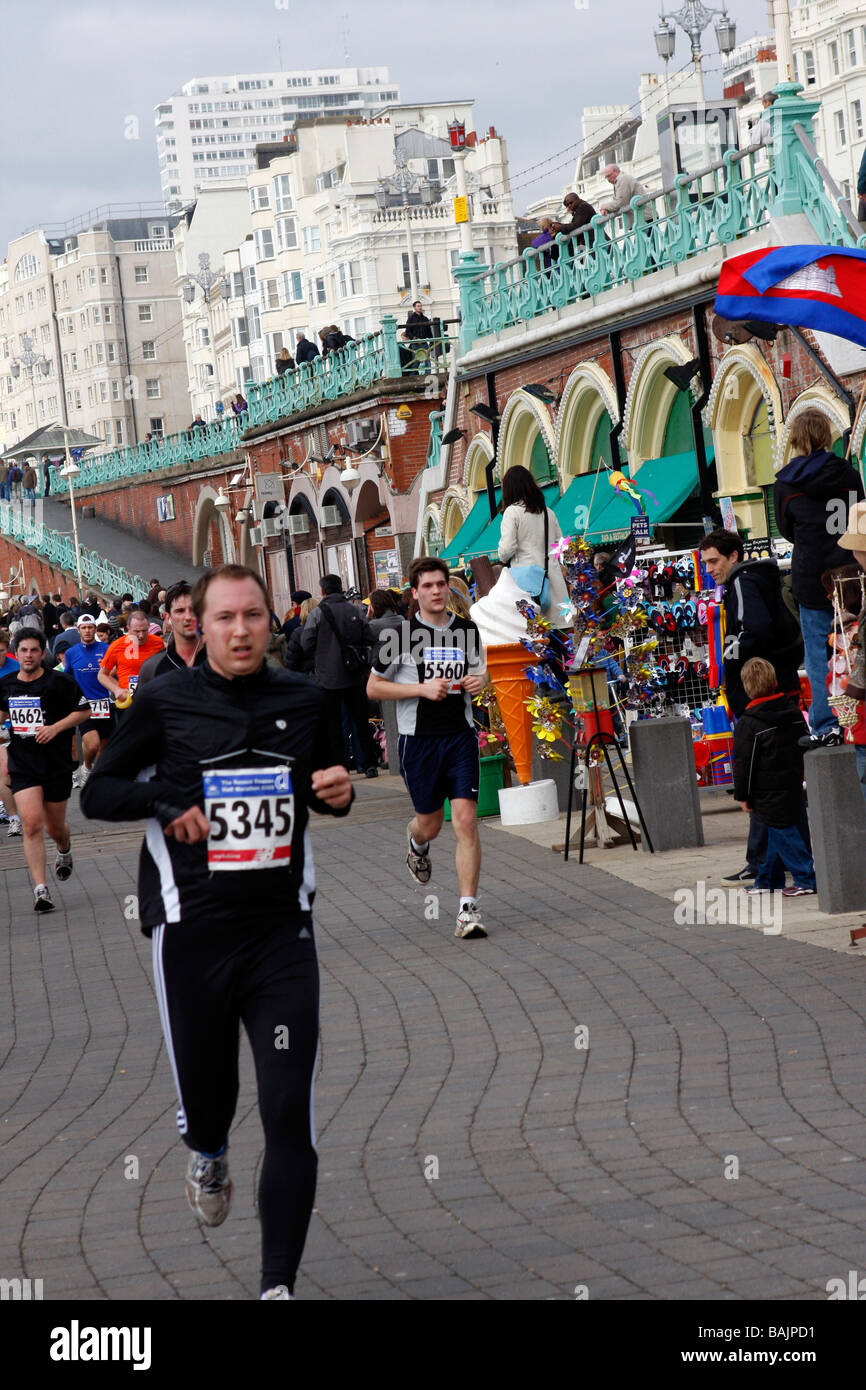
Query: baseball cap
(86, 618)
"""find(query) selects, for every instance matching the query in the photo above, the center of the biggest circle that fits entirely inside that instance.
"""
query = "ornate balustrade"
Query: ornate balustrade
(58, 549)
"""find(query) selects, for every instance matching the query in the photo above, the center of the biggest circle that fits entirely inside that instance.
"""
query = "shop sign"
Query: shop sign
(386, 569)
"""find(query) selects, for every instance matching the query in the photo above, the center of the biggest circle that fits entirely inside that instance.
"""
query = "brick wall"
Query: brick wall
(39, 575)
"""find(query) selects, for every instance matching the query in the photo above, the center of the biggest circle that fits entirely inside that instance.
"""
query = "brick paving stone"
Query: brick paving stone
(557, 1166)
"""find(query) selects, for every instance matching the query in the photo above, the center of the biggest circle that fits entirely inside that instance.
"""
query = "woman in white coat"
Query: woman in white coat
(521, 548)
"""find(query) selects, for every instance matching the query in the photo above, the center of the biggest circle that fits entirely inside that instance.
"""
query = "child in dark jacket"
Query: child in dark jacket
(768, 780)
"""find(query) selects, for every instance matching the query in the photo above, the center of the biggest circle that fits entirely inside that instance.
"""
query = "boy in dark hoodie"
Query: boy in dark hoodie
(812, 497)
(768, 780)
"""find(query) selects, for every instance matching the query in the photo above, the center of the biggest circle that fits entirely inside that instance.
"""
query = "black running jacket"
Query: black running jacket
(153, 768)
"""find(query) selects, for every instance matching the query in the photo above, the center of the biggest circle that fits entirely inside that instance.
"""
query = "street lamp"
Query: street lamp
(32, 362)
(206, 280)
(69, 470)
(405, 181)
(694, 18)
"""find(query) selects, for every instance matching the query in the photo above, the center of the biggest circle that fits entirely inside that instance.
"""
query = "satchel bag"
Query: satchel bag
(355, 662)
(534, 578)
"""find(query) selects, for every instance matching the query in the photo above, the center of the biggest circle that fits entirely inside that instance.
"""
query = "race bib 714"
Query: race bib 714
(445, 663)
(252, 813)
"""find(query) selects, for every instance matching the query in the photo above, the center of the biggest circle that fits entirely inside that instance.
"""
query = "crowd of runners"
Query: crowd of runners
(224, 755)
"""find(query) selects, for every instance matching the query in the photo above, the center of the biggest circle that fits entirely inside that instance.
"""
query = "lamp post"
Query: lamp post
(457, 136)
(69, 470)
(32, 361)
(694, 18)
(206, 279)
(404, 181)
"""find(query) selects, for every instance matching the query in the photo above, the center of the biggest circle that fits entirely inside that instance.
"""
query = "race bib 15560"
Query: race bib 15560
(251, 813)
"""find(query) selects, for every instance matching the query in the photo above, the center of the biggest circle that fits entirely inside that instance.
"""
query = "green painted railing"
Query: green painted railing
(58, 549)
(359, 364)
(434, 448)
(712, 207)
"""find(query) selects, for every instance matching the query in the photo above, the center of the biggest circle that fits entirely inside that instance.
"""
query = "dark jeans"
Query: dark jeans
(354, 698)
(786, 849)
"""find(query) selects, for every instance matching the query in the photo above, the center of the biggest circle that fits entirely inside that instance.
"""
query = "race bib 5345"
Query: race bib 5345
(251, 812)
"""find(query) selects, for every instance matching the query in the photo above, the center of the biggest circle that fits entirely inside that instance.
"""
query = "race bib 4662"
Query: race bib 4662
(26, 715)
(251, 813)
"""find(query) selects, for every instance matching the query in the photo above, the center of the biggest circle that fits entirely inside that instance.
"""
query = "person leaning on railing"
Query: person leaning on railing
(582, 214)
(625, 187)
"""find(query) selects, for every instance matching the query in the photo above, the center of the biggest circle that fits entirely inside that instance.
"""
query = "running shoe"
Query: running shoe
(469, 923)
(41, 899)
(741, 876)
(279, 1291)
(83, 776)
(14, 826)
(795, 891)
(831, 739)
(208, 1188)
(75, 781)
(418, 865)
(63, 864)
(4, 815)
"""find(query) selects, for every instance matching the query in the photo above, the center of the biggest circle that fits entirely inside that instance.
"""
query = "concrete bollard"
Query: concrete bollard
(664, 775)
(837, 822)
(389, 719)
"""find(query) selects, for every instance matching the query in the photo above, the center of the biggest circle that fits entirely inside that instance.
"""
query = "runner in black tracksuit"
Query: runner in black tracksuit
(232, 947)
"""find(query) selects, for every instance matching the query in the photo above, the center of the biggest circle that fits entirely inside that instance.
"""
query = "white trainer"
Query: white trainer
(280, 1291)
(209, 1188)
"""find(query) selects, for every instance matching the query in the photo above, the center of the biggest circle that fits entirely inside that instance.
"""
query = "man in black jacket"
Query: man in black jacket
(185, 647)
(581, 214)
(305, 349)
(813, 495)
(227, 761)
(768, 780)
(341, 639)
(757, 623)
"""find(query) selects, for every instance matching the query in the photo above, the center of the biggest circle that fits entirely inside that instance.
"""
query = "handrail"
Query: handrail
(58, 549)
(842, 203)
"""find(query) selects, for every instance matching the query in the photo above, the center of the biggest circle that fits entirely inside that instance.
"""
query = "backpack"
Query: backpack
(355, 661)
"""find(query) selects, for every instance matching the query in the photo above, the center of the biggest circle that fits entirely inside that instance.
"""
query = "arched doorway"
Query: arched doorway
(213, 541)
(303, 528)
(584, 422)
(526, 437)
(381, 552)
(744, 410)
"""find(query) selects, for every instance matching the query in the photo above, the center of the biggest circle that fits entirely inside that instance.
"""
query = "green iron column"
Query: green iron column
(788, 110)
(471, 295)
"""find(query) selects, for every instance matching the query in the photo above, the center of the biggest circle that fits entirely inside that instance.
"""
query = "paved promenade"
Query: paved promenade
(593, 1098)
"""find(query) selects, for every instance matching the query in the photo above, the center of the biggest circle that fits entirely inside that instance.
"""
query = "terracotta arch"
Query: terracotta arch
(650, 399)
(588, 392)
(478, 455)
(523, 420)
(206, 515)
(453, 511)
(743, 383)
(816, 397)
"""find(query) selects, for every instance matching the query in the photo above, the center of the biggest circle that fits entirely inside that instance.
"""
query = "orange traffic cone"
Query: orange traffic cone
(506, 664)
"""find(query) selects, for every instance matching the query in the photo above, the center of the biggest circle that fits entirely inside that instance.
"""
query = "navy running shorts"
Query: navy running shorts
(440, 766)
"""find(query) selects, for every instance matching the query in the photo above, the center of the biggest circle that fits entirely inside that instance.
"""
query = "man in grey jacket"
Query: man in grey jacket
(625, 187)
(341, 639)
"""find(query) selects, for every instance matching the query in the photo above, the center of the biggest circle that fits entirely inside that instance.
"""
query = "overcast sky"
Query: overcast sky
(75, 74)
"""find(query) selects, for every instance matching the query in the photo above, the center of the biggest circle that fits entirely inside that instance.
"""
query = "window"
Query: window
(29, 409)
(349, 278)
(283, 193)
(103, 390)
(91, 275)
(271, 294)
(249, 279)
(46, 331)
(141, 275)
(264, 244)
(111, 354)
(407, 279)
(115, 389)
(41, 295)
(148, 350)
(95, 313)
(293, 289)
(104, 275)
(41, 410)
(145, 313)
(240, 333)
(106, 313)
(839, 122)
(158, 232)
(318, 293)
(118, 431)
(809, 62)
(100, 354)
(287, 233)
(203, 337)
(152, 388)
(237, 284)
(255, 323)
(73, 361)
(359, 328)
(857, 119)
(312, 240)
(156, 426)
(83, 318)
(259, 198)
(833, 54)
(850, 38)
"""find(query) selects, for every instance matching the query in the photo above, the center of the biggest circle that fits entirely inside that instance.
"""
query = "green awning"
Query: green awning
(473, 525)
(582, 493)
(488, 541)
(671, 480)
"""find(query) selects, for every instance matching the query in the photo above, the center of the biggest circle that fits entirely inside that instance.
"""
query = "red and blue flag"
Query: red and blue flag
(818, 287)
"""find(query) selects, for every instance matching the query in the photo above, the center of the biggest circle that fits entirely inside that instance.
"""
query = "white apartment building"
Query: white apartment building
(314, 246)
(210, 128)
(89, 314)
(828, 38)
